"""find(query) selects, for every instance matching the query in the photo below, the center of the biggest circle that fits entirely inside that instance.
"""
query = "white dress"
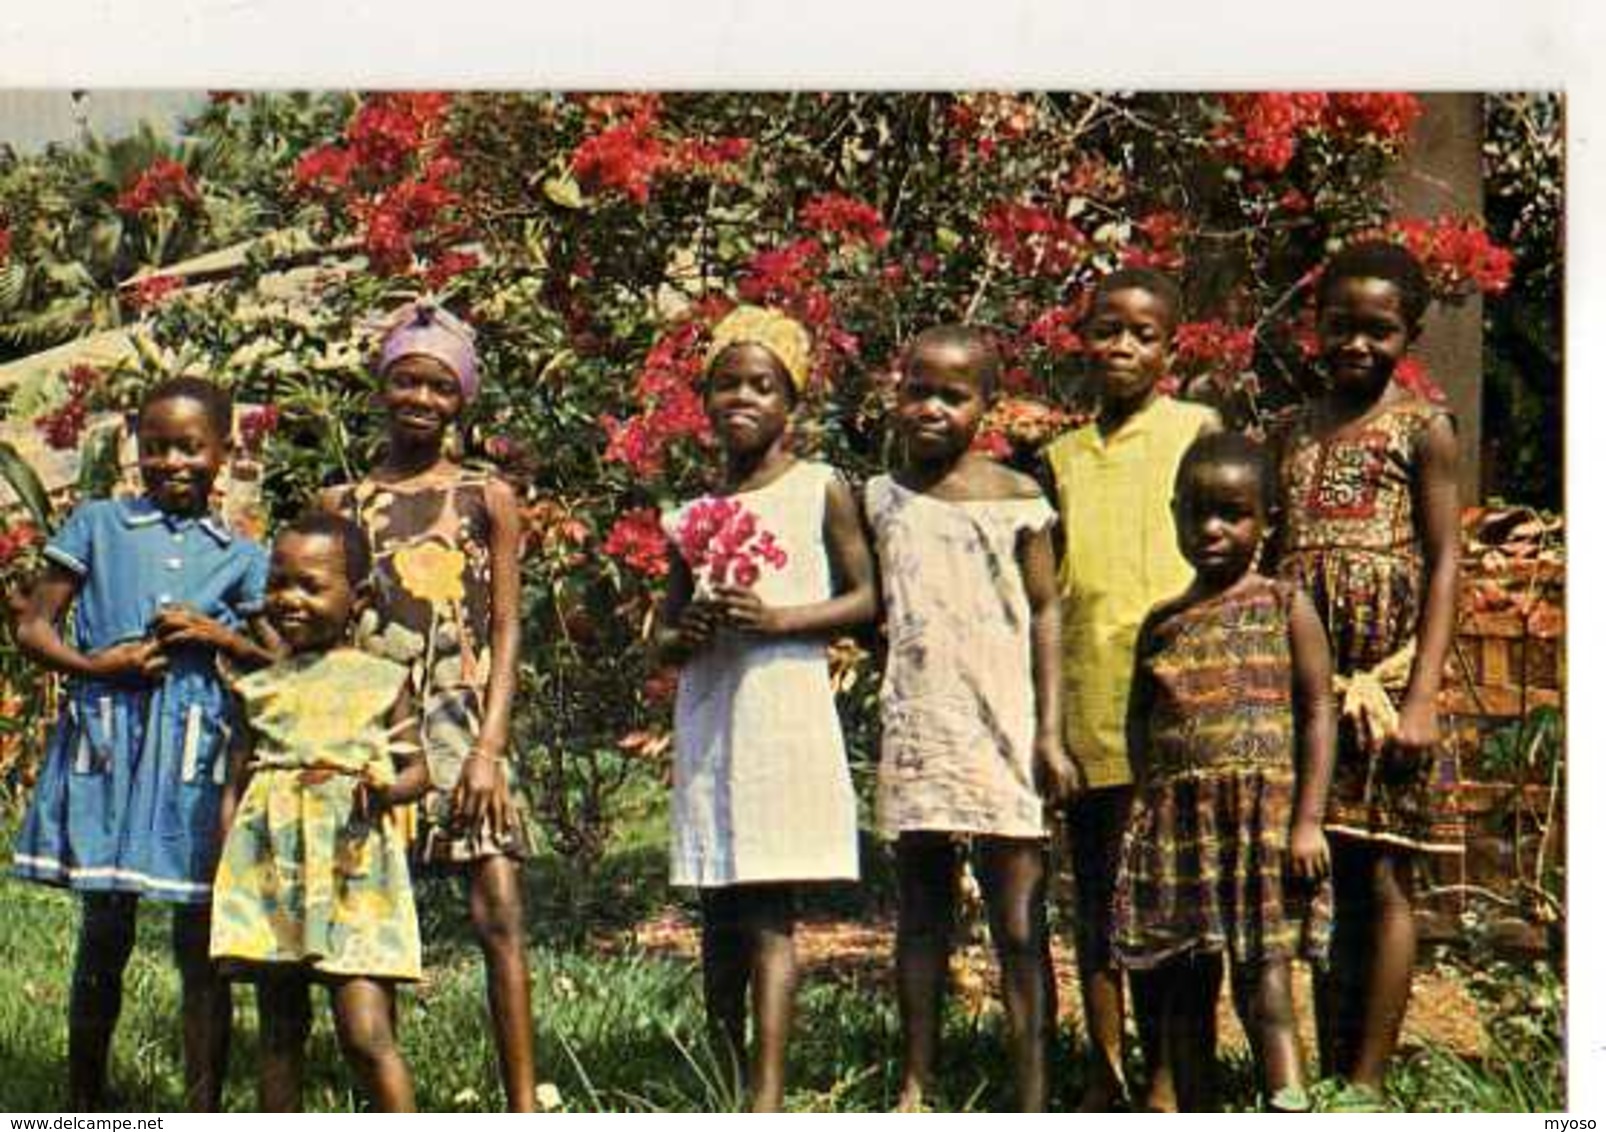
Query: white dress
(958, 707)
(761, 786)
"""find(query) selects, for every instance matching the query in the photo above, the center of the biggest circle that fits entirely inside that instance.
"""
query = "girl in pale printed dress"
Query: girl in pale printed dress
(970, 744)
(763, 572)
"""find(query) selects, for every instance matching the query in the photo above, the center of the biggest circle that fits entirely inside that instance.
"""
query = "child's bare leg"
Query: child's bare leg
(1263, 994)
(1341, 986)
(1388, 979)
(284, 1019)
(105, 941)
(926, 889)
(768, 914)
(367, 1038)
(1190, 1040)
(727, 971)
(1096, 822)
(497, 911)
(207, 1009)
(1149, 991)
(1014, 878)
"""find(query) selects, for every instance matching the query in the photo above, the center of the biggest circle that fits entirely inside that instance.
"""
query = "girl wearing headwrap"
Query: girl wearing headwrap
(764, 571)
(446, 604)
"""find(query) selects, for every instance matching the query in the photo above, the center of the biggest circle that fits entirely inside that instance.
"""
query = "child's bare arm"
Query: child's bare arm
(39, 636)
(1317, 721)
(852, 569)
(406, 753)
(482, 792)
(1057, 776)
(241, 744)
(178, 625)
(1439, 529)
(1140, 701)
(686, 624)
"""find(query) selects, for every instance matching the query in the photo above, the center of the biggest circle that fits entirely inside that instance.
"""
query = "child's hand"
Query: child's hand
(1308, 856)
(1058, 778)
(369, 800)
(1417, 733)
(697, 624)
(178, 625)
(746, 611)
(131, 660)
(481, 796)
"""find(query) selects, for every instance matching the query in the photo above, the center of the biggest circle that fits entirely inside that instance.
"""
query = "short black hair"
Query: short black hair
(1156, 283)
(354, 550)
(979, 343)
(217, 402)
(1379, 259)
(1230, 450)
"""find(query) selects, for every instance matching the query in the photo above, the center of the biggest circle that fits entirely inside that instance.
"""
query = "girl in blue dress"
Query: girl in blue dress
(127, 801)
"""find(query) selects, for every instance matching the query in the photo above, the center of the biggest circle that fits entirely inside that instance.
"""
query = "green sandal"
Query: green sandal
(1357, 1098)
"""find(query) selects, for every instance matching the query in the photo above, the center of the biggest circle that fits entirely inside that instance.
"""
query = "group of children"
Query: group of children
(1151, 651)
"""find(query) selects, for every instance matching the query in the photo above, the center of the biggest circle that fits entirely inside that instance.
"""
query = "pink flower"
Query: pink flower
(637, 540)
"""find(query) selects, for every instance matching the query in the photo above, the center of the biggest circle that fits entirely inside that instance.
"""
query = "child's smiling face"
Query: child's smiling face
(748, 397)
(1128, 334)
(1220, 512)
(422, 397)
(310, 596)
(1363, 332)
(942, 397)
(180, 454)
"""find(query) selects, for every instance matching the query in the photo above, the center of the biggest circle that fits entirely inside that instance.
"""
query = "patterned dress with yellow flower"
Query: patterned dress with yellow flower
(432, 612)
(302, 880)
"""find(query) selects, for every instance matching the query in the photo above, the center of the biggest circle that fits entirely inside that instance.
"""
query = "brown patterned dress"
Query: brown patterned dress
(432, 612)
(1350, 538)
(1204, 859)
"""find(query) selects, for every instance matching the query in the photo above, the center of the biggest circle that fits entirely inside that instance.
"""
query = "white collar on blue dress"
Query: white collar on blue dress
(140, 511)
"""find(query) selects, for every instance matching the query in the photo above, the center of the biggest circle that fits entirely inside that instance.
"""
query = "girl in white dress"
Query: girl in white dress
(763, 572)
(970, 717)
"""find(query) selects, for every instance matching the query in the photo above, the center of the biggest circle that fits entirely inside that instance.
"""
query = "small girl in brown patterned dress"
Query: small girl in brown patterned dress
(1369, 527)
(1232, 735)
(446, 604)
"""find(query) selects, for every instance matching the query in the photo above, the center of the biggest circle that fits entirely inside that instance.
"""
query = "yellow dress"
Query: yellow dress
(301, 880)
(1121, 559)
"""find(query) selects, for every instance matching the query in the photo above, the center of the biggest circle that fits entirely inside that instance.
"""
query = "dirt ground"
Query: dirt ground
(1441, 1013)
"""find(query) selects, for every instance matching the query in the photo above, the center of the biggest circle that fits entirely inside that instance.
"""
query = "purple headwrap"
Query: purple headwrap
(424, 328)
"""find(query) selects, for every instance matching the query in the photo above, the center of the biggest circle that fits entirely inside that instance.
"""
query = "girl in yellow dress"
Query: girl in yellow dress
(313, 883)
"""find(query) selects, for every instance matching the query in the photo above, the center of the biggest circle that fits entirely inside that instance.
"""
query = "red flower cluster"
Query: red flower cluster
(628, 154)
(781, 275)
(852, 221)
(1027, 421)
(255, 426)
(1414, 377)
(389, 129)
(708, 156)
(15, 539)
(162, 181)
(63, 425)
(720, 536)
(1163, 232)
(1263, 130)
(1033, 239)
(671, 408)
(327, 167)
(980, 122)
(1055, 331)
(1215, 346)
(448, 265)
(637, 540)
(1457, 254)
(393, 219)
(150, 291)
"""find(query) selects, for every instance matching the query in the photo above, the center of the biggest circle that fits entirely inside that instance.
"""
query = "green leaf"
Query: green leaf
(28, 487)
(98, 466)
(563, 191)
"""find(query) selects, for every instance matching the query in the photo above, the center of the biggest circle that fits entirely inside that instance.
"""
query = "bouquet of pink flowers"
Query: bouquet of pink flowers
(721, 540)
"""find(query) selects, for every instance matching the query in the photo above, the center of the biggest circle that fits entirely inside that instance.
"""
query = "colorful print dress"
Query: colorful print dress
(1350, 538)
(1203, 861)
(432, 612)
(302, 880)
(127, 799)
(958, 706)
(761, 791)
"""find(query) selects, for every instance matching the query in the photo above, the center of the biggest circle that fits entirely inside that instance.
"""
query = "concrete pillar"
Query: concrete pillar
(1442, 172)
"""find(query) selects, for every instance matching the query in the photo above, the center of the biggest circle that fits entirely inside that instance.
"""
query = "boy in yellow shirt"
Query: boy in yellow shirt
(1113, 482)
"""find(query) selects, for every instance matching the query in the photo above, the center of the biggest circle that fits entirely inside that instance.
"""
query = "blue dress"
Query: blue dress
(128, 797)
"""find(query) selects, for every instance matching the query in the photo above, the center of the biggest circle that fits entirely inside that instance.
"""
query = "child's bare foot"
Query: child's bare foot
(912, 1098)
(1102, 1095)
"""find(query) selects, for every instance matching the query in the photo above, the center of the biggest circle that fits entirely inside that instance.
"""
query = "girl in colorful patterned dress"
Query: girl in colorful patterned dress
(762, 574)
(312, 885)
(1369, 528)
(970, 710)
(446, 604)
(1232, 727)
(127, 802)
